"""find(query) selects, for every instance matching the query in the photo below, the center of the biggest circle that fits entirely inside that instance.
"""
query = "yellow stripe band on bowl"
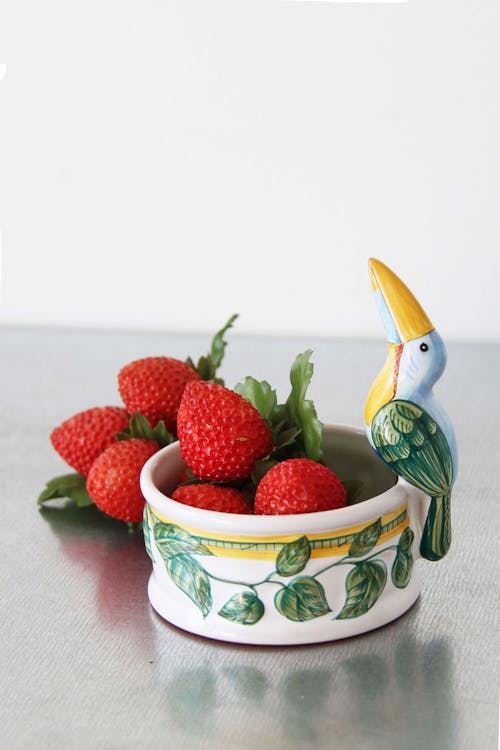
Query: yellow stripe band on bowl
(323, 543)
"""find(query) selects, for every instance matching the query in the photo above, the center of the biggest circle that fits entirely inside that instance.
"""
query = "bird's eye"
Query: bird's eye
(424, 347)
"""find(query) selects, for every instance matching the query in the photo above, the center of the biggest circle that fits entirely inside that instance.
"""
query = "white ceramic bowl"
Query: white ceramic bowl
(291, 579)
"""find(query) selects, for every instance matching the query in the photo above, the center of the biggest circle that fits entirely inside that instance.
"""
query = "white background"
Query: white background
(164, 164)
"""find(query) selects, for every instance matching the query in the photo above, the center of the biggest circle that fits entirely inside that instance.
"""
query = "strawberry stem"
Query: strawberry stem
(297, 431)
(208, 364)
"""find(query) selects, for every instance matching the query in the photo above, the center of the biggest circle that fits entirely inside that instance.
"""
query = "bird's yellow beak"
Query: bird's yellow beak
(403, 316)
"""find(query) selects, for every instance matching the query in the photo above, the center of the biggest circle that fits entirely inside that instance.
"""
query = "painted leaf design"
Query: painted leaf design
(245, 608)
(293, 557)
(172, 540)
(303, 599)
(366, 539)
(146, 529)
(403, 562)
(364, 584)
(190, 577)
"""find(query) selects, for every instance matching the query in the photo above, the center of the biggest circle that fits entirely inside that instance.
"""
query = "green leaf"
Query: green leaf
(293, 557)
(72, 486)
(301, 411)
(403, 562)
(260, 395)
(353, 490)
(191, 578)
(146, 529)
(366, 539)
(219, 344)
(284, 437)
(303, 599)
(162, 436)
(296, 429)
(281, 418)
(171, 540)
(245, 608)
(364, 585)
(139, 427)
(203, 367)
(208, 365)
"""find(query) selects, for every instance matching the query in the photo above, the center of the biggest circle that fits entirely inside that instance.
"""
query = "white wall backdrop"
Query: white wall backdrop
(166, 163)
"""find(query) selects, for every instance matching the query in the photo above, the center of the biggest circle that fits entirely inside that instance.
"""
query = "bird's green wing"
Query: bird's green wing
(413, 445)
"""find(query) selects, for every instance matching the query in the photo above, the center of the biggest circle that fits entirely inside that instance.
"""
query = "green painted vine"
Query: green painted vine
(301, 599)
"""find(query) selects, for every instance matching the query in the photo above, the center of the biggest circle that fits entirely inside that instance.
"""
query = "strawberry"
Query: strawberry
(298, 485)
(154, 387)
(211, 497)
(221, 435)
(113, 480)
(80, 439)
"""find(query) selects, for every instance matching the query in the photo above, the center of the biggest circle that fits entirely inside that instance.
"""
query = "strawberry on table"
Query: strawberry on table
(154, 386)
(299, 485)
(221, 435)
(80, 439)
(211, 497)
(113, 480)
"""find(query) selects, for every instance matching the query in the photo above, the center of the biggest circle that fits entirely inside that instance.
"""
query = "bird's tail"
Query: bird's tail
(436, 536)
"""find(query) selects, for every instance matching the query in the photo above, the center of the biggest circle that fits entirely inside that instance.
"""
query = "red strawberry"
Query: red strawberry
(80, 439)
(299, 485)
(113, 480)
(154, 387)
(221, 434)
(211, 497)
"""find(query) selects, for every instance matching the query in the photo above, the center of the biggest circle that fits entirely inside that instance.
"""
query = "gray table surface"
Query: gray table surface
(87, 664)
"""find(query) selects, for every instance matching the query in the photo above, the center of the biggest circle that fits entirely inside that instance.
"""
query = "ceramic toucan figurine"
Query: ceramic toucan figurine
(405, 424)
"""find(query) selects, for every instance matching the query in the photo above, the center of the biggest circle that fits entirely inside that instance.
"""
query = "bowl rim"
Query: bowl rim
(263, 525)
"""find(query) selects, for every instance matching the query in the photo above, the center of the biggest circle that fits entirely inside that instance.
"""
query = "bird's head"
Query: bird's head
(416, 356)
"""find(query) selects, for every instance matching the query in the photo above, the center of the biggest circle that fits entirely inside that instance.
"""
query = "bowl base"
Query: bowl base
(319, 630)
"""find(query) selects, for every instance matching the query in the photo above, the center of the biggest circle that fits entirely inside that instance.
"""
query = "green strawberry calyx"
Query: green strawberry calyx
(72, 486)
(297, 431)
(208, 364)
(139, 427)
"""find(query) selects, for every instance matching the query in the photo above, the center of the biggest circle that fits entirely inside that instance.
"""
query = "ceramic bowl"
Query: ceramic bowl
(277, 580)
